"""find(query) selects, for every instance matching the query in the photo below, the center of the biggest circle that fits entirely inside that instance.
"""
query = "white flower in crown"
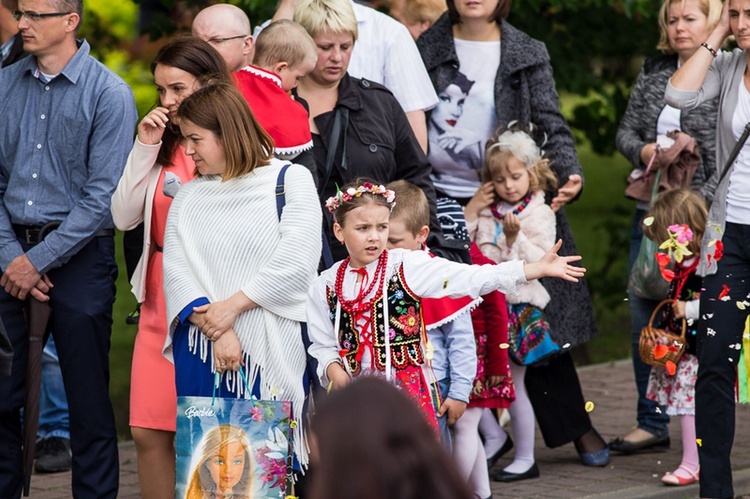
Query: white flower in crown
(351, 191)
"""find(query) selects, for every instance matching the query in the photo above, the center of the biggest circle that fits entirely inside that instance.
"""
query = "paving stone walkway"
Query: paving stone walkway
(611, 388)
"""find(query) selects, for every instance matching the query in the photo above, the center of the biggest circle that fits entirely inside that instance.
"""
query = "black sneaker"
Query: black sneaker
(53, 455)
(134, 316)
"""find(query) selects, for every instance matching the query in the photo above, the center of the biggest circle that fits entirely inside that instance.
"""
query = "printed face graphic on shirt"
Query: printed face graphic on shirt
(448, 132)
(364, 233)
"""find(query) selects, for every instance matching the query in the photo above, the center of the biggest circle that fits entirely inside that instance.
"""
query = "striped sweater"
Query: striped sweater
(222, 237)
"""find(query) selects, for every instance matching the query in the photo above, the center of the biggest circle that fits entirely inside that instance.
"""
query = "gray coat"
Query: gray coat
(638, 125)
(525, 91)
(723, 81)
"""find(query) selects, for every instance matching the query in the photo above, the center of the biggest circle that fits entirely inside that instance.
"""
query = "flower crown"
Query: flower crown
(333, 202)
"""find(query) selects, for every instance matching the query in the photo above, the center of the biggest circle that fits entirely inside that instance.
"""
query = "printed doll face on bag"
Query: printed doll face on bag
(227, 466)
(511, 180)
(364, 232)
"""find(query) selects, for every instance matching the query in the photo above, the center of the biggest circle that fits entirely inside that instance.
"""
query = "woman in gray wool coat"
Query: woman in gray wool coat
(519, 88)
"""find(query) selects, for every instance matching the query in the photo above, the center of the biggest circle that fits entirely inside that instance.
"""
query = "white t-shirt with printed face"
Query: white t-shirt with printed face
(464, 119)
(738, 195)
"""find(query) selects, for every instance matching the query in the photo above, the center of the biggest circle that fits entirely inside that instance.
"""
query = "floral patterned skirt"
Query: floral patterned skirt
(676, 392)
(482, 395)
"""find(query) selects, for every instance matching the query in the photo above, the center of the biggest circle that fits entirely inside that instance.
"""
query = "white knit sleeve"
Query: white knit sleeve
(437, 277)
(285, 278)
(323, 343)
(180, 288)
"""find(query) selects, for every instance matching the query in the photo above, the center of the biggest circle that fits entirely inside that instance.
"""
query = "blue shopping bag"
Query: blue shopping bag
(232, 448)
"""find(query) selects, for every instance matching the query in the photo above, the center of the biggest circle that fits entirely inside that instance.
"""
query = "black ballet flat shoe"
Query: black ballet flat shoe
(653, 444)
(507, 446)
(504, 476)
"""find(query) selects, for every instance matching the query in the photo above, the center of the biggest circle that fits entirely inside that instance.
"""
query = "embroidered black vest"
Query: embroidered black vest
(405, 327)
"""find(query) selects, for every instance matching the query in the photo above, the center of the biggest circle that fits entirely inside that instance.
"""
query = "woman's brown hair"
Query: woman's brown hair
(501, 11)
(199, 59)
(221, 109)
(675, 207)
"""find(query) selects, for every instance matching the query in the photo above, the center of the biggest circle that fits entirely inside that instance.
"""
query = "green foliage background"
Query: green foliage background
(596, 49)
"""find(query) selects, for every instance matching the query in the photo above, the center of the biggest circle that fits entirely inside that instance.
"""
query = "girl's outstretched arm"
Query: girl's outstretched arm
(553, 265)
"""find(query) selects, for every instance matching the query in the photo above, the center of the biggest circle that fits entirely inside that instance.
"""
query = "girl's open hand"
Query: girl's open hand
(554, 265)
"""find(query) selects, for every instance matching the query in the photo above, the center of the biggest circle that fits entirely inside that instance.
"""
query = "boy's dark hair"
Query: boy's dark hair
(412, 207)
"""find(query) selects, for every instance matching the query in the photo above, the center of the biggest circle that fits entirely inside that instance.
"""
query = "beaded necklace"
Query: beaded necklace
(357, 304)
(521, 206)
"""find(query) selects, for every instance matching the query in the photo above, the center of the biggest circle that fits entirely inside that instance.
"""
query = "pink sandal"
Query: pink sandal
(670, 478)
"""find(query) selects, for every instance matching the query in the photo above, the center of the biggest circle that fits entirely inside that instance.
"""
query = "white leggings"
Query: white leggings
(468, 452)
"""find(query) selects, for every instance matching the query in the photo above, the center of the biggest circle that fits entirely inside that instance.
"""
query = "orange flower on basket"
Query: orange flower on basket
(671, 367)
(660, 351)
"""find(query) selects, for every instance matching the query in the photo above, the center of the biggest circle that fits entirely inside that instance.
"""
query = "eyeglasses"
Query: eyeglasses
(36, 16)
(219, 41)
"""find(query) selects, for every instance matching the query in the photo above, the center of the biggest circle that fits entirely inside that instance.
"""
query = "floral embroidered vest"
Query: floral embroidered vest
(404, 328)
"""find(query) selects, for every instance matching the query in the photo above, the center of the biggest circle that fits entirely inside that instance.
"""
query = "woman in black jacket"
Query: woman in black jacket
(358, 127)
(521, 88)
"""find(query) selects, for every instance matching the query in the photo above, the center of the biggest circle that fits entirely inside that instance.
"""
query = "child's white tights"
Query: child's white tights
(494, 435)
(468, 452)
(522, 422)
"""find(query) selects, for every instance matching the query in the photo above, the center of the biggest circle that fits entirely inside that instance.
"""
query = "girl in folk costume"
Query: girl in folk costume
(364, 312)
(678, 218)
(508, 219)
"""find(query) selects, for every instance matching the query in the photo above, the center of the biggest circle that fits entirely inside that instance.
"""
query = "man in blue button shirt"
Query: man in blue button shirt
(68, 129)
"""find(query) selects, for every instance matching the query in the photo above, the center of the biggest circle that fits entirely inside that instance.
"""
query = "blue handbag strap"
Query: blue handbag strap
(280, 190)
(281, 201)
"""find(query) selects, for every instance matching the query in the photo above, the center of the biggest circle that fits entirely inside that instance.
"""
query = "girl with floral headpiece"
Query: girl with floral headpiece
(364, 313)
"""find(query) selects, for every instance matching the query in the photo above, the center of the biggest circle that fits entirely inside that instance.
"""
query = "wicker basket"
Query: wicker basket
(652, 336)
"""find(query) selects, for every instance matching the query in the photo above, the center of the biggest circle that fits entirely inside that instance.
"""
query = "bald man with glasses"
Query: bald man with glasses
(227, 28)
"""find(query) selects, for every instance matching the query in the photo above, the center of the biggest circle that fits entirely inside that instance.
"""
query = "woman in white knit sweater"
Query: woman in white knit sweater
(235, 274)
